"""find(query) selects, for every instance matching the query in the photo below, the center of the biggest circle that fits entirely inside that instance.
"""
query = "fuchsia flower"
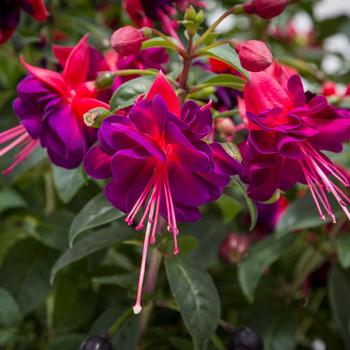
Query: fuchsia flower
(287, 133)
(10, 14)
(51, 106)
(157, 159)
(145, 12)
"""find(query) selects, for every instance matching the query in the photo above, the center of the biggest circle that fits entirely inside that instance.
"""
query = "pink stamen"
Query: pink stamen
(22, 156)
(158, 183)
(330, 167)
(13, 144)
(137, 307)
(318, 180)
(154, 230)
(131, 216)
(11, 133)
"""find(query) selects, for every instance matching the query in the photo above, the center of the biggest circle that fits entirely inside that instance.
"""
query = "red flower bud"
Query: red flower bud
(127, 40)
(234, 247)
(254, 55)
(266, 8)
(226, 127)
(329, 88)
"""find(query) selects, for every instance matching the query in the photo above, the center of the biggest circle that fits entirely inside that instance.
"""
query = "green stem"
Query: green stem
(150, 287)
(204, 50)
(187, 62)
(50, 193)
(229, 113)
(171, 43)
(127, 72)
(237, 9)
(118, 323)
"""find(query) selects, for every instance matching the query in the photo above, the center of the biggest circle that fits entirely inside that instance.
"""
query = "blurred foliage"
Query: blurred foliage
(69, 264)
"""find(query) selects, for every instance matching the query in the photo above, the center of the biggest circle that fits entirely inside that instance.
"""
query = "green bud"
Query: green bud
(104, 80)
(199, 18)
(95, 117)
(190, 14)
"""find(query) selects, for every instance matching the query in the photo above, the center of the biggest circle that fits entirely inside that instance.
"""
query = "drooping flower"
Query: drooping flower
(145, 12)
(10, 15)
(287, 134)
(157, 160)
(50, 107)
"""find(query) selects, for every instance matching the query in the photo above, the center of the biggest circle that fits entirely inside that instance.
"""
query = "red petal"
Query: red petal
(77, 64)
(53, 79)
(265, 92)
(162, 87)
(61, 53)
(5, 34)
(83, 105)
(38, 9)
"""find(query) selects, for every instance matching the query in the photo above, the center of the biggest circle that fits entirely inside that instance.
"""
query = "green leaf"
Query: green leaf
(97, 212)
(229, 207)
(232, 150)
(92, 242)
(302, 214)
(225, 80)
(53, 229)
(10, 314)
(126, 280)
(260, 257)
(8, 334)
(343, 249)
(250, 203)
(127, 93)
(25, 273)
(186, 244)
(310, 260)
(74, 305)
(67, 182)
(10, 199)
(127, 336)
(66, 342)
(338, 291)
(282, 333)
(197, 297)
(226, 54)
(158, 42)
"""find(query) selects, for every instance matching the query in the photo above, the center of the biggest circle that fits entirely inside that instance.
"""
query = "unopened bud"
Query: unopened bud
(97, 343)
(234, 248)
(329, 89)
(226, 127)
(104, 80)
(254, 55)
(95, 117)
(127, 40)
(266, 8)
(245, 339)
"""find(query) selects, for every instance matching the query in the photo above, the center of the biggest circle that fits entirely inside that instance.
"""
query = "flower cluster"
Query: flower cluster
(158, 152)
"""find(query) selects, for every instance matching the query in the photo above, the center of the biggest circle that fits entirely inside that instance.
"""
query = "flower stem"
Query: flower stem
(118, 323)
(237, 9)
(50, 193)
(150, 286)
(171, 43)
(187, 61)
